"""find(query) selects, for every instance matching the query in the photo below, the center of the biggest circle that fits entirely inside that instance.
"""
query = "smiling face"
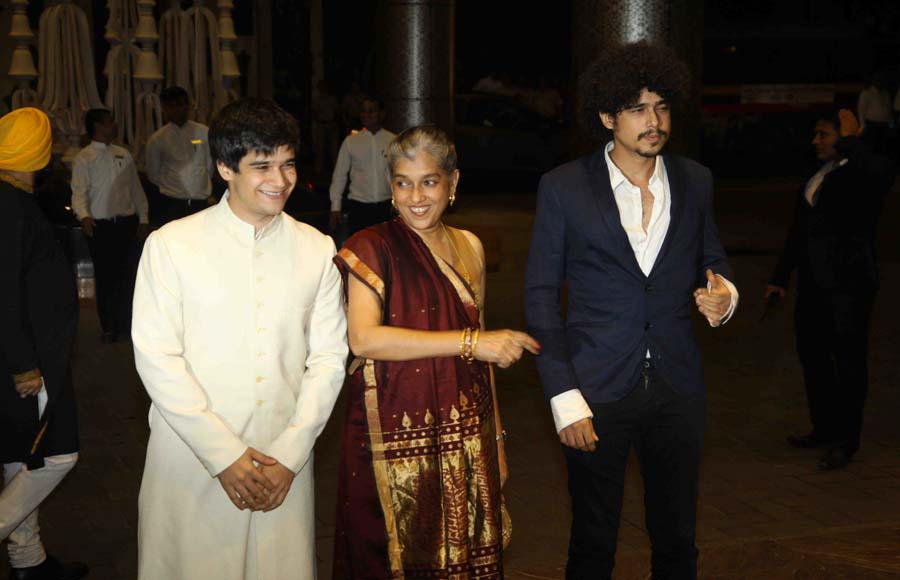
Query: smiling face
(422, 191)
(643, 127)
(262, 184)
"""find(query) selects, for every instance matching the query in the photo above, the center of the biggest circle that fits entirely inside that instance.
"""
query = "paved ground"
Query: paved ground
(765, 511)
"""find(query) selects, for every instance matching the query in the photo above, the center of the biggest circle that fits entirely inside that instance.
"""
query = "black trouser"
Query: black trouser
(111, 247)
(175, 209)
(666, 429)
(362, 215)
(833, 346)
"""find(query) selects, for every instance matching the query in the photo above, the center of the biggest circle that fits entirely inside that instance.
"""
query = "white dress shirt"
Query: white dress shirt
(815, 182)
(364, 156)
(178, 161)
(105, 184)
(570, 406)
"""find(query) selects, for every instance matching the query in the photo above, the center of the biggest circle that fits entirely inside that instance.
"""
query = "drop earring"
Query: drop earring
(452, 199)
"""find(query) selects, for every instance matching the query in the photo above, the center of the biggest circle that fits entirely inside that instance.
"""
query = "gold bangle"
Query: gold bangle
(474, 344)
(465, 343)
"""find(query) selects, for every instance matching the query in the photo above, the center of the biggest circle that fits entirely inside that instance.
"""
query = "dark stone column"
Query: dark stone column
(678, 24)
(415, 56)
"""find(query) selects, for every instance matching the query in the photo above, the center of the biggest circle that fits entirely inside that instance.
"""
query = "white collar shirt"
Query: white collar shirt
(178, 161)
(570, 406)
(364, 156)
(815, 182)
(105, 184)
(646, 245)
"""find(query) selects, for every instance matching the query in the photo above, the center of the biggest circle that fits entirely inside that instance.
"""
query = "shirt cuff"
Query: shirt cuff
(735, 296)
(569, 407)
(336, 205)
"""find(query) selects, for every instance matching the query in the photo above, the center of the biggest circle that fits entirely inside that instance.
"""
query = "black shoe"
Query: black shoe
(108, 337)
(809, 441)
(50, 569)
(835, 458)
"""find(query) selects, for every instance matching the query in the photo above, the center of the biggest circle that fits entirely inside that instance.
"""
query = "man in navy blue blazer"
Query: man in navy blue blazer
(629, 231)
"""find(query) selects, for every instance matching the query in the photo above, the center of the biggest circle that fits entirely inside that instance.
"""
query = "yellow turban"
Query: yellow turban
(25, 140)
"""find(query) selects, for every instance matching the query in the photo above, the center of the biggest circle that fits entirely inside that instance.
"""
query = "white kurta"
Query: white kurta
(240, 340)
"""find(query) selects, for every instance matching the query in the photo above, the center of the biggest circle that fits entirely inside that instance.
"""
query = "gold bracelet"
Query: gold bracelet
(474, 344)
(462, 343)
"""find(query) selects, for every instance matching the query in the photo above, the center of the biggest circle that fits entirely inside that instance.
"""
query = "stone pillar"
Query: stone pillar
(678, 24)
(415, 54)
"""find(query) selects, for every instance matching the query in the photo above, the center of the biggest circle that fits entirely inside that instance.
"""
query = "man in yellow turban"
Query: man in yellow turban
(38, 320)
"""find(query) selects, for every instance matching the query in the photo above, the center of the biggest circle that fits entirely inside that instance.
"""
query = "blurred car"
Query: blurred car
(495, 133)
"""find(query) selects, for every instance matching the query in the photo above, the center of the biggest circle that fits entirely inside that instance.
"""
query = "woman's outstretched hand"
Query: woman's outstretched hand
(504, 347)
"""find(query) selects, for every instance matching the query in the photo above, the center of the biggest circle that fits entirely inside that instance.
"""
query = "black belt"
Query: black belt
(116, 219)
(188, 202)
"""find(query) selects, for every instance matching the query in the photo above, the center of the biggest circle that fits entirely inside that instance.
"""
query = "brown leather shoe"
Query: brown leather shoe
(50, 569)
(835, 458)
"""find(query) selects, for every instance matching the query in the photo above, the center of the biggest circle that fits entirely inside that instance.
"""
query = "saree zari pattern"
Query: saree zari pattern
(419, 485)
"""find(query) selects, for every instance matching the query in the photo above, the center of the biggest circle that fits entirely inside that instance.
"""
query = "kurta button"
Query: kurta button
(259, 403)
(259, 278)
(648, 288)
(648, 326)
(258, 253)
(260, 379)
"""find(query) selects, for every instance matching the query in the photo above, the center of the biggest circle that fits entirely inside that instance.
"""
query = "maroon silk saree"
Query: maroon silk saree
(419, 484)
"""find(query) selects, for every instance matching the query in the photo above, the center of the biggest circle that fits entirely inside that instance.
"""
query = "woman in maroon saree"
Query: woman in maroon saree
(422, 463)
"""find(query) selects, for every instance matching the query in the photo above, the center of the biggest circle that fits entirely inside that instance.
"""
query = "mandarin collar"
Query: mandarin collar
(241, 229)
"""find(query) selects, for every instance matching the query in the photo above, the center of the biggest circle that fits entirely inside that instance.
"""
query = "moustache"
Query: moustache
(656, 132)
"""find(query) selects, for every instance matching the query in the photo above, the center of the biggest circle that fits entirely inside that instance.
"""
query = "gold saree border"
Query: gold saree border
(455, 278)
(379, 465)
(362, 271)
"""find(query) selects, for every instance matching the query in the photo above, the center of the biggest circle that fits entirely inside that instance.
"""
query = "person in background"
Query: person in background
(38, 322)
(177, 159)
(109, 200)
(831, 245)
(363, 156)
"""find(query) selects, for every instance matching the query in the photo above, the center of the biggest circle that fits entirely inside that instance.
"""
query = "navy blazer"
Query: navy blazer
(615, 312)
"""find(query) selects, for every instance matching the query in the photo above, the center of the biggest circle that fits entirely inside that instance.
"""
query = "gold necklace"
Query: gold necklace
(464, 268)
(15, 182)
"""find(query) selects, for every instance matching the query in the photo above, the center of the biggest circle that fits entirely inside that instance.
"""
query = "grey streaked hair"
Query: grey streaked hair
(423, 138)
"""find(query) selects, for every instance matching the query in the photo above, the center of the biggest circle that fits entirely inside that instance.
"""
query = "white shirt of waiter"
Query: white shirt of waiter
(364, 156)
(240, 339)
(178, 161)
(105, 184)
(570, 406)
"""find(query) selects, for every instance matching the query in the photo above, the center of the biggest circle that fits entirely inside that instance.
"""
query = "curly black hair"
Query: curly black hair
(248, 125)
(615, 80)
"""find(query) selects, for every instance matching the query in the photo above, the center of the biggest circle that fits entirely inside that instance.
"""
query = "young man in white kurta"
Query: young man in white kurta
(240, 339)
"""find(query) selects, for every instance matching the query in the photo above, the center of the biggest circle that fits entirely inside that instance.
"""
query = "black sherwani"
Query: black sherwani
(38, 321)
(831, 244)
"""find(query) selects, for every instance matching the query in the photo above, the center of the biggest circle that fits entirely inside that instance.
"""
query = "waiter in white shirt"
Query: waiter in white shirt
(362, 155)
(108, 198)
(178, 159)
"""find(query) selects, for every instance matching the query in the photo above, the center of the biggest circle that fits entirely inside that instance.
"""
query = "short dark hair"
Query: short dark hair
(374, 99)
(615, 80)
(94, 116)
(830, 116)
(173, 94)
(251, 125)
